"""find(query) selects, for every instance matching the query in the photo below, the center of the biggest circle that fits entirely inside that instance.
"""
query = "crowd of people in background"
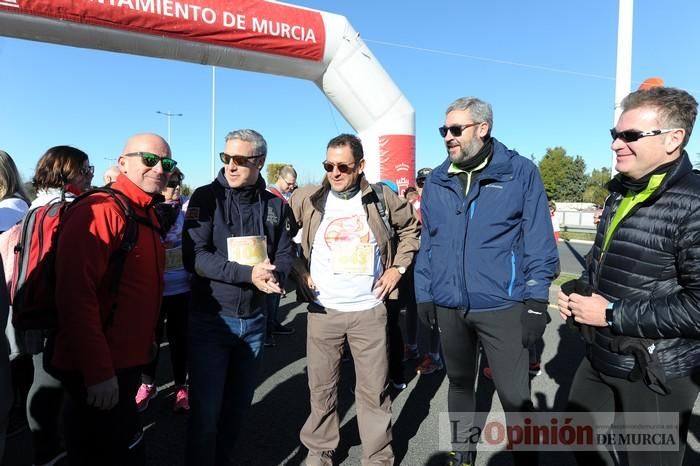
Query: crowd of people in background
(468, 256)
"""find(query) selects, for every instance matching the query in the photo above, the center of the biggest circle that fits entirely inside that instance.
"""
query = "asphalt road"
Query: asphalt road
(571, 256)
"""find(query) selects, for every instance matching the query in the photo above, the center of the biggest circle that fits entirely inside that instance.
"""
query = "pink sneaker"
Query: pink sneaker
(145, 394)
(182, 399)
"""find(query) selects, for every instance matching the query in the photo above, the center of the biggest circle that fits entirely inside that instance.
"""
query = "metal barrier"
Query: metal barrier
(578, 228)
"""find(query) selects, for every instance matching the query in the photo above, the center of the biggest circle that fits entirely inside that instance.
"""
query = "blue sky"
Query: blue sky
(546, 66)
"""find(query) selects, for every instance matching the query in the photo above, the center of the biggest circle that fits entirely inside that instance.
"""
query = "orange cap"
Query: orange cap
(649, 83)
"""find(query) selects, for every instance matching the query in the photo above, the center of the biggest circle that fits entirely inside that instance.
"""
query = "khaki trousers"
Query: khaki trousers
(366, 332)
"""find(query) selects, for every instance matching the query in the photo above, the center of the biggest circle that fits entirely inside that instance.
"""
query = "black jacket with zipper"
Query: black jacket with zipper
(217, 212)
(651, 269)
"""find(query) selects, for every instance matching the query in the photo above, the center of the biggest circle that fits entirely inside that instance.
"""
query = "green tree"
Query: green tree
(273, 170)
(29, 189)
(596, 191)
(564, 176)
(186, 190)
(600, 177)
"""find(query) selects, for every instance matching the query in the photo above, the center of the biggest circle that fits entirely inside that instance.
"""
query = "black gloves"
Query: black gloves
(584, 289)
(534, 319)
(427, 314)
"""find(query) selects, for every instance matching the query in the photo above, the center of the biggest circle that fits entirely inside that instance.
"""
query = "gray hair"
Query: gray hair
(287, 170)
(479, 110)
(110, 175)
(675, 107)
(10, 181)
(252, 136)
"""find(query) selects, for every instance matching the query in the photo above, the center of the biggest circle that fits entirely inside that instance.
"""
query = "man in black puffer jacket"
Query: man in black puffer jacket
(638, 304)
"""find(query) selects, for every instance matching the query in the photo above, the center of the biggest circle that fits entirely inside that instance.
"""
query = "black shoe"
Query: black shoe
(270, 341)
(458, 458)
(398, 384)
(279, 329)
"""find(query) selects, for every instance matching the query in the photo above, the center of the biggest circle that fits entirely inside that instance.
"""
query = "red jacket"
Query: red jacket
(90, 232)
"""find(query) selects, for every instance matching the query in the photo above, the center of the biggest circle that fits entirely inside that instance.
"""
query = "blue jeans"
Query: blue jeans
(224, 361)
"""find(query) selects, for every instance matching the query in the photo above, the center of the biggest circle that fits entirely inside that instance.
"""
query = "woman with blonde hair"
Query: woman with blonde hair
(14, 201)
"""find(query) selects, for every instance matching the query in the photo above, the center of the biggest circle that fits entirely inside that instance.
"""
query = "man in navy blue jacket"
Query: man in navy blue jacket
(237, 244)
(485, 264)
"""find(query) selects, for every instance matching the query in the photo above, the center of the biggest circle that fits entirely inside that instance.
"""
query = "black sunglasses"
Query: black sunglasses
(90, 170)
(151, 160)
(173, 183)
(456, 130)
(238, 160)
(342, 167)
(631, 135)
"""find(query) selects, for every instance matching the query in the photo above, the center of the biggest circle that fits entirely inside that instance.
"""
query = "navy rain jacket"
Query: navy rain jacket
(491, 248)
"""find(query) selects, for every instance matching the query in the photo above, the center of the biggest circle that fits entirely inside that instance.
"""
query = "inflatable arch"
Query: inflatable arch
(253, 35)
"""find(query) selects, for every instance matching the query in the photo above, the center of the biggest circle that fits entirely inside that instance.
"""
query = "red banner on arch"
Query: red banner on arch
(253, 25)
(396, 161)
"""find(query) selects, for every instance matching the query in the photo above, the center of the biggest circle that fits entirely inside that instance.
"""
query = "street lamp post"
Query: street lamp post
(168, 115)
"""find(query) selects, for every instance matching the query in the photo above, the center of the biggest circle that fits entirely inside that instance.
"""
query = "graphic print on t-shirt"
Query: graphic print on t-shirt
(348, 239)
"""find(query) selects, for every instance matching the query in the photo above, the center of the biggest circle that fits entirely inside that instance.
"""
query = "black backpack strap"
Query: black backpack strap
(129, 239)
(381, 206)
(118, 258)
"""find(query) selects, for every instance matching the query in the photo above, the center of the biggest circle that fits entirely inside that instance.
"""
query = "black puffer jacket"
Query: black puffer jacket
(652, 271)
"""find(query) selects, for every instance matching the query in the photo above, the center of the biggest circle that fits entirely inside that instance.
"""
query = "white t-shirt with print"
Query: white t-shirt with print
(345, 259)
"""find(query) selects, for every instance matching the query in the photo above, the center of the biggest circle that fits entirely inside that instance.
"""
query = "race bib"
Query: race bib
(173, 259)
(247, 250)
(356, 258)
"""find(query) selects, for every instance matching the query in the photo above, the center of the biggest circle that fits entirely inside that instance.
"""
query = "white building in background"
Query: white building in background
(576, 214)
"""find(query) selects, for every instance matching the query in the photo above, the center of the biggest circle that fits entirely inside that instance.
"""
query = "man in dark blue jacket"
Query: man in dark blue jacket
(237, 244)
(485, 264)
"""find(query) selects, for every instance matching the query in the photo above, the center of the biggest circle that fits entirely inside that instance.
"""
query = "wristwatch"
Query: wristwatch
(400, 268)
(609, 314)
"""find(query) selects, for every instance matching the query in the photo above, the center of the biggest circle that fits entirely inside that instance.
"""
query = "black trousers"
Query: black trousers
(500, 334)
(174, 307)
(106, 437)
(44, 404)
(592, 391)
(393, 310)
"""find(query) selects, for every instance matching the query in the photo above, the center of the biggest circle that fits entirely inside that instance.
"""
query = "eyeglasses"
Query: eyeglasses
(342, 167)
(238, 160)
(174, 183)
(456, 130)
(632, 136)
(291, 186)
(90, 170)
(151, 160)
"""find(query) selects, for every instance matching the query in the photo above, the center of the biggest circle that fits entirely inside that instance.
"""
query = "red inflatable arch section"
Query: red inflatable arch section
(253, 35)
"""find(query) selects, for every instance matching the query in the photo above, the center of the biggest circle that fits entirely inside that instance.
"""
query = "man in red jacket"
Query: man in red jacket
(100, 345)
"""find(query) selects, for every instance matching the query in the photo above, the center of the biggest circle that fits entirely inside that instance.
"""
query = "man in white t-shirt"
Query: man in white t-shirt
(359, 256)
